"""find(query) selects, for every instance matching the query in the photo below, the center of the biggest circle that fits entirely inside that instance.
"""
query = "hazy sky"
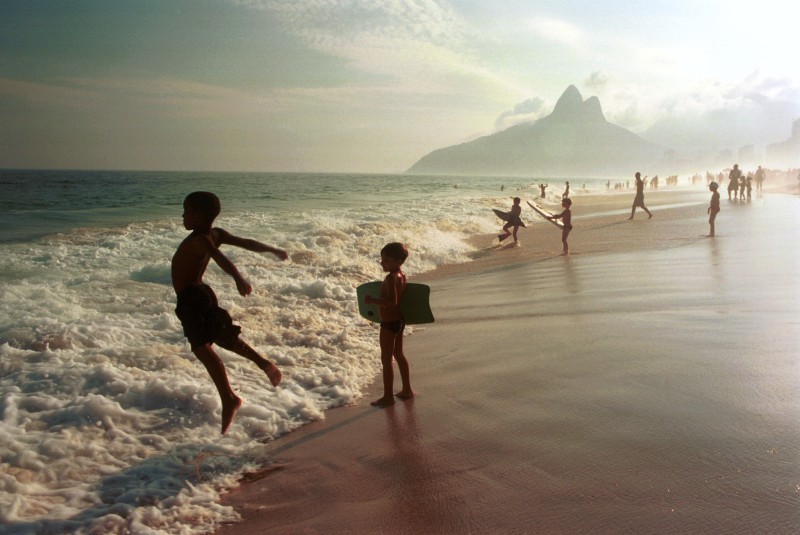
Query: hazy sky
(365, 86)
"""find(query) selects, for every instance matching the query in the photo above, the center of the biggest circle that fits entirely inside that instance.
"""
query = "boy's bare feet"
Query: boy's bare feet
(229, 411)
(383, 402)
(273, 373)
(403, 394)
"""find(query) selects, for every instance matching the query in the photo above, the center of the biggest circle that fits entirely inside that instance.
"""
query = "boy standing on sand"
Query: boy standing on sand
(392, 323)
(204, 322)
(513, 221)
(639, 199)
(713, 209)
(566, 218)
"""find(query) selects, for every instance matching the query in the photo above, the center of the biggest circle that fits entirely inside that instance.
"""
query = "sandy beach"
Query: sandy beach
(646, 383)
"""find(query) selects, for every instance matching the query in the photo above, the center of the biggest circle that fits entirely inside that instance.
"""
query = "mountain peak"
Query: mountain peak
(572, 107)
(574, 140)
(569, 103)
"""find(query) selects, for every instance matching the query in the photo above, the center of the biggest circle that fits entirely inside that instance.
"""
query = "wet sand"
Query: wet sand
(647, 383)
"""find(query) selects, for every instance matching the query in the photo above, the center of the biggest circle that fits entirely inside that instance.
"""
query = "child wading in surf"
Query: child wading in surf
(513, 220)
(204, 322)
(392, 323)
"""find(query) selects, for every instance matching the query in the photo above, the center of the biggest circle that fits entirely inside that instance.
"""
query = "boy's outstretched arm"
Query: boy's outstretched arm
(228, 267)
(249, 244)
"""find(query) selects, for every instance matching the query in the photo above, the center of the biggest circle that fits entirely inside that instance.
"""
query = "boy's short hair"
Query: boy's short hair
(395, 250)
(517, 200)
(568, 201)
(204, 202)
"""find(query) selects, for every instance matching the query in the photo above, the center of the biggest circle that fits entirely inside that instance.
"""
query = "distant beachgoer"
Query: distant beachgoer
(566, 192)
(566, 218)
(638, 200)
(749, 186)
(742, 187)
(543, 187)
(759, 179)
(733, 184)
(608, 185)
(514, 221)
(204, 322)
(393, 255)
(502, 187)
(713, 209)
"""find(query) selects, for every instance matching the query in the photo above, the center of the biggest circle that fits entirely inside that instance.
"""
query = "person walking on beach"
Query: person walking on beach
(514, 221)
(393, 255)
(566, 192)
(639, 199)
(713, 208)
(733, 181)
(566, 218)
(204, 322)
(759, 179)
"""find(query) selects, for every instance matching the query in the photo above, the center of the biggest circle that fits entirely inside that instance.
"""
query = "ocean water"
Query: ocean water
(108, 423)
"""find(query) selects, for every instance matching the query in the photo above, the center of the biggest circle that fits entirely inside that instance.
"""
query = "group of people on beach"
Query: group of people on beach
(514, 220)
(205, 323)
(738, 183)
(739, 186)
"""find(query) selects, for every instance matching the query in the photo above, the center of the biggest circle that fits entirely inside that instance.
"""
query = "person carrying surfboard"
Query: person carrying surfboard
(513, 220)
(393, 255)
(566, 218)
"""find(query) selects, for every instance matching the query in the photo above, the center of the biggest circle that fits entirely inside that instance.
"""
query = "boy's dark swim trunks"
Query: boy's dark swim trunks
(395, 326)
(204, 322)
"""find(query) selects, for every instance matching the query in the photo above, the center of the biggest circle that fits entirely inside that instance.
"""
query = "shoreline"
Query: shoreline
(343, 468)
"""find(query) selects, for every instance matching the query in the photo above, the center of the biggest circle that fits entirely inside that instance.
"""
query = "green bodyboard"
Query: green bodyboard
(415, 305)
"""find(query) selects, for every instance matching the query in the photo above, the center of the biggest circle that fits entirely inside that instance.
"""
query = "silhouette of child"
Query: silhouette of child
(513, 220)
(566, 218)
(393, 255)
(713, 209)
(204, 322)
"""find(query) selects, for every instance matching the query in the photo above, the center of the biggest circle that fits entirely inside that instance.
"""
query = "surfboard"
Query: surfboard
(544, 213)
(505, 215)
(415, 304)
(501, 214)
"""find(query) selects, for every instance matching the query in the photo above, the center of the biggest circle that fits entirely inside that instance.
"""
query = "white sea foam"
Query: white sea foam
(108, 422)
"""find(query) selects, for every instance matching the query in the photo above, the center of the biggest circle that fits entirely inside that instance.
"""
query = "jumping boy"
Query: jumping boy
(392, 323)
(713, 209)
(204, 322)
(513, 220)
(566, 218)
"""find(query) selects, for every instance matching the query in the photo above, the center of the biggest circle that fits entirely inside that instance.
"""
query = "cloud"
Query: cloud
(558, 31)
(527, 111)
(756, 110)
(398, 39)
(597, 80)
